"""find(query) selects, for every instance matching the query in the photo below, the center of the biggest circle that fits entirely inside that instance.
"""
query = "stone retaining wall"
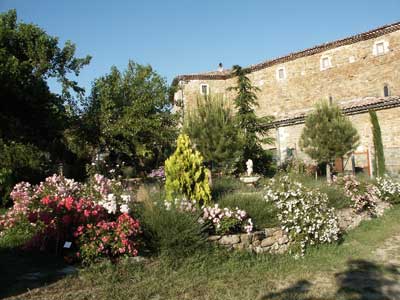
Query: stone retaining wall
(271, 240)
(275, 240)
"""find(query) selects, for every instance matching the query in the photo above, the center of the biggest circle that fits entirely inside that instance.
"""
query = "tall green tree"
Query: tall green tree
(32, 118)
(128, 117)
(379, 157)
(327, 135)
(212, 128)
(254, 129)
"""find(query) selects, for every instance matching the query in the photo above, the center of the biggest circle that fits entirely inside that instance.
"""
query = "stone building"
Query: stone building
(359, 73)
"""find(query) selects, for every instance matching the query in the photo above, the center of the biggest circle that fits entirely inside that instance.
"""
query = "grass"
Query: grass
(263, 214)
(216, 274)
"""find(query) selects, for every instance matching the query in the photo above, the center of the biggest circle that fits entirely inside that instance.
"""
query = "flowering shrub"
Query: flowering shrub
(220, 220)
(158, 173)
(63, 210)
(108, 238)
(364, 196)
(304, 214)
(388, 189)
(225, 220)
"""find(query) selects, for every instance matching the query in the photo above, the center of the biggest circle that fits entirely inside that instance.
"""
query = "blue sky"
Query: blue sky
(184, 36)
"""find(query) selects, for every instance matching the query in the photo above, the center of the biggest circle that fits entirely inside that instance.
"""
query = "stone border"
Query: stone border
(276, 241)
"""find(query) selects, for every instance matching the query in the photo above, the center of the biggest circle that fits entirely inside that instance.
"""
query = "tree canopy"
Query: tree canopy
(328, 134)
(32, 118)
(212, 128)
(128, 118)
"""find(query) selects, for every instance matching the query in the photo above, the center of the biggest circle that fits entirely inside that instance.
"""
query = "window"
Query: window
(380, 48)
(204, 89)
(325, 63)
(386, 91)
(281, 73)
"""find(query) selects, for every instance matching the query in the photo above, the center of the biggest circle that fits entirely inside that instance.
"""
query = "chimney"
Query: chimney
(220, 67)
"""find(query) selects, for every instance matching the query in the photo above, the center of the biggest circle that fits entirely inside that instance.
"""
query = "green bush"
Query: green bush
(185, 174)
(17, 235)
(211, 126)
(262, 214)
(170, 232)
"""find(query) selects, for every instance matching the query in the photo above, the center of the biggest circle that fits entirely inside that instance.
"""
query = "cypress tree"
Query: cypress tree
(254, 128)
(379, 161)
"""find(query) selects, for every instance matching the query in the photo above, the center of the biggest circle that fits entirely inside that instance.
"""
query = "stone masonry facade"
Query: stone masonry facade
(358, 73)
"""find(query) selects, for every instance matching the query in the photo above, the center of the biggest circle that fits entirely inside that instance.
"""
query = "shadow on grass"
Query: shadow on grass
(365, 280)
(21, 271)
(362, 280)
(297, 291)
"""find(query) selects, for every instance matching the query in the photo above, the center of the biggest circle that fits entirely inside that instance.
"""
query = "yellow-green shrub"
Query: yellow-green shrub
(185, 174)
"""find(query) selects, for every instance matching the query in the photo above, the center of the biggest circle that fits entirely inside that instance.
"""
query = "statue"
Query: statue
(249, 165)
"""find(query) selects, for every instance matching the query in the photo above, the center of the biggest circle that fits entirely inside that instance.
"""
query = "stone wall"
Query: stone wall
(389, 120)
(276, 241)
(306, 83)
(356, 73)
(269, 240)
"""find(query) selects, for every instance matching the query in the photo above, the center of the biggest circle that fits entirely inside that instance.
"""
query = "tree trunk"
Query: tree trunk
(328, 173)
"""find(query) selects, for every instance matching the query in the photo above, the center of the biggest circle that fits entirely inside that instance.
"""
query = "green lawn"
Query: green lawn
(217, 274)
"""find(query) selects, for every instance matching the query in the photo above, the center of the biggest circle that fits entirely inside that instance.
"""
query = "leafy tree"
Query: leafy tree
(255, 129)
(185, 174)
(328, 134)
(379, 160)
(33, 119)
(127, 116)
(212, 128)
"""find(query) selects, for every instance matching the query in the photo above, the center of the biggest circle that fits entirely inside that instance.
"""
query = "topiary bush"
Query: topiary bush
(185, 174)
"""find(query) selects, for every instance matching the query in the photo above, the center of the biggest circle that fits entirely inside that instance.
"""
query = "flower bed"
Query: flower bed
(93, 217)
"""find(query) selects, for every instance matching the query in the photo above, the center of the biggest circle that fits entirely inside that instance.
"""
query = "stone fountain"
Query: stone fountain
(248, 178)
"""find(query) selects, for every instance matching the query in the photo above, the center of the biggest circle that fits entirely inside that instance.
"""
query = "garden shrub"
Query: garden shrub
(388, 189)
(363, 195)
(185, 174)
(171, 231)
(89, 216)
(304, 214)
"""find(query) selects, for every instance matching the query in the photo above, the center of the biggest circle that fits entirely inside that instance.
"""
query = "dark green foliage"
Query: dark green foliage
(170, 232)
(211, 127)
(262, 214)
(20, 162)
(33, 120)
(127, 117)
(328, 134)
(379, 157)
(254, 129)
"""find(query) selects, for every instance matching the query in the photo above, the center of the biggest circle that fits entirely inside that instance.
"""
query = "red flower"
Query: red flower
(69, 202)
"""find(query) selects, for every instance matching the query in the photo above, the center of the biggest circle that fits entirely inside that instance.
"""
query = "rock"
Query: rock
(258, 235)
(268, 242)
(246, 238)
(229, 239)
(212, 238)
(256, 243)
(271, 231)
(258, 250)
(283, 249)
(239, 246)
(278, 233)
(283, 240)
